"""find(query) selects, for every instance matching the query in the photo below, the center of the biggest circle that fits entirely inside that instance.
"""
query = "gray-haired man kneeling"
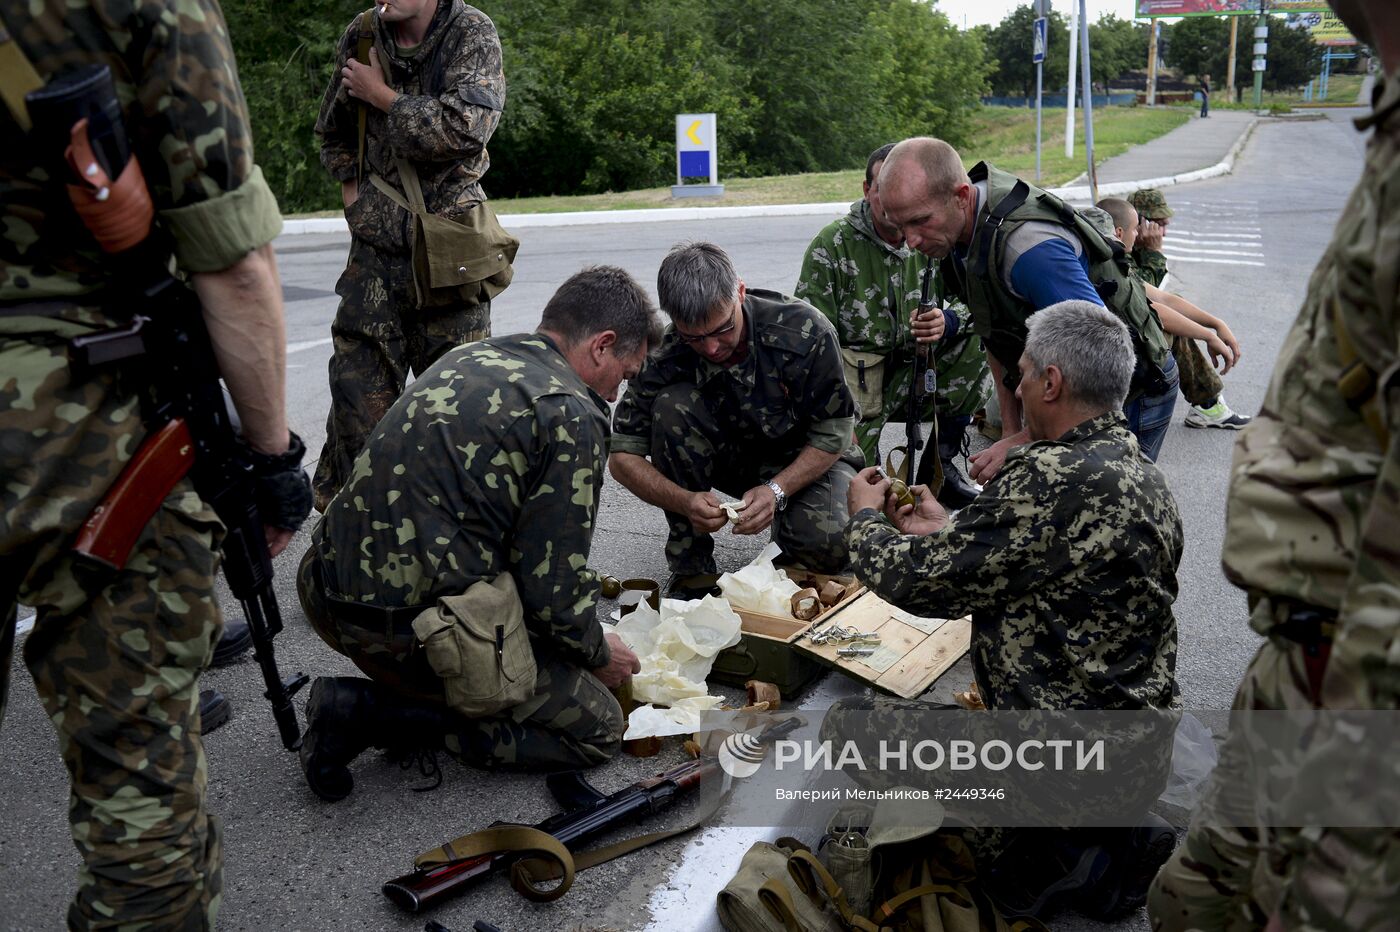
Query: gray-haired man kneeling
(1067, 564)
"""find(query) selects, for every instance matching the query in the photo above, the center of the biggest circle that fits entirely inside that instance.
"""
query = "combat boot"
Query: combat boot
(1135, 857)
(347, 715)
(958, 491)
(214, 710)
(235, 641)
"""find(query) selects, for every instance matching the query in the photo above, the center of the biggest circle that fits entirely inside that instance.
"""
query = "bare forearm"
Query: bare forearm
(1183, 307)
(811, 464)
(243, 311)
(646, 482)
(1176, 324)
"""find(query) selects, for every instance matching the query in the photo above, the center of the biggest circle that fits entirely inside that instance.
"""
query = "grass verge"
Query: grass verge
(1001, 135)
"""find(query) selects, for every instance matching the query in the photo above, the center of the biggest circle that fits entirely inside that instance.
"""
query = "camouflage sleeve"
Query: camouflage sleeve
(1151, 266)
(337, 125)
(195, 139)
(831, 406)
(458, 122)
(631, 427)
(557, 588)
(819, 282)
(969, 566)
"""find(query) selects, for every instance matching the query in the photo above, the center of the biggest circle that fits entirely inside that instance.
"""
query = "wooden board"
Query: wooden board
(787, 628)
(922, 659)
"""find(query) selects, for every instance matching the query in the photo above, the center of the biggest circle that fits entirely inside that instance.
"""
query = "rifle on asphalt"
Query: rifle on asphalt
(545, 851)
(78, 120)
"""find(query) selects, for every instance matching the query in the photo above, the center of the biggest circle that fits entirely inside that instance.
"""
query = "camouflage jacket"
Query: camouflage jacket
(865, 286)
(491, 462)
(790, 392)
(188, 124)
(1067, 562)
(1150, 265)
(1314, 489)
(451, 93)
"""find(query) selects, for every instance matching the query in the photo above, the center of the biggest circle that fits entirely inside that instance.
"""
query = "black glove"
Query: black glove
(281, 488)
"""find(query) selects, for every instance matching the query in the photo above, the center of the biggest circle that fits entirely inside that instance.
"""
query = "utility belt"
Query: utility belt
(379, 620)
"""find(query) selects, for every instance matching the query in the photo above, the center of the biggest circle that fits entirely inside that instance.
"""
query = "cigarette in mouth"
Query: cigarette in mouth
(384, 8)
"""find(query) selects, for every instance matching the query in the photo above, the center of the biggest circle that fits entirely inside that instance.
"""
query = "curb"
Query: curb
(836, 209)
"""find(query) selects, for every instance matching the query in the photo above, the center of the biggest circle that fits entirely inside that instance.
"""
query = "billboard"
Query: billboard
(1226, 7)
(1326, 28)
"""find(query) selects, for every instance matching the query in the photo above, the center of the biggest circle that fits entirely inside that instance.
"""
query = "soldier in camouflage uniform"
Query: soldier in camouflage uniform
(1310, 535)
(1200, 383)
(859, 273)
(116, 655)
(437, 111)
(491, 463)
(745, 395)
(1070, 592)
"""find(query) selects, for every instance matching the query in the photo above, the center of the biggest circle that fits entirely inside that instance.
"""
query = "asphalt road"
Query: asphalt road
(1243, 246)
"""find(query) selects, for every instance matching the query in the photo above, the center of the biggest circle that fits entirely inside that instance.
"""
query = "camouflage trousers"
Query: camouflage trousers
(572, 720)
(115, 655)
(379, 337)
(1200, 383)
(1227, 876)
(697, 450)
(964, 385)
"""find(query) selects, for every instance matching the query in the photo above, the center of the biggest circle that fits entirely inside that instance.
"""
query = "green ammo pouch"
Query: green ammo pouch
(454, 261)
(477, 643)
(865, 377)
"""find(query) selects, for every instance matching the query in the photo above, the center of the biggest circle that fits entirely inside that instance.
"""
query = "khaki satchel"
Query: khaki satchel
(477, 643)
(454, 262)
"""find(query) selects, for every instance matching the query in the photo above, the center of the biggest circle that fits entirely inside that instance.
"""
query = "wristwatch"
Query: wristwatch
(779, 496)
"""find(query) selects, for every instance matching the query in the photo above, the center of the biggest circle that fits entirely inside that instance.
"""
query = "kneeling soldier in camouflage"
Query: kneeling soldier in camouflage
(746, 395)
(451, 568)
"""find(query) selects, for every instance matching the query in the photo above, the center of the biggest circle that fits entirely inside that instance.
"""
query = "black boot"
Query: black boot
(347, 715)
(233, 643)
(1135, 857)
(958, 491)
(1043, 870)
(214, 710)
(693, 586)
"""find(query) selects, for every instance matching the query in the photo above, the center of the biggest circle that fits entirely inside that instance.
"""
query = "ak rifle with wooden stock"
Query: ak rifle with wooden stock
(164, 352)
(546, 850)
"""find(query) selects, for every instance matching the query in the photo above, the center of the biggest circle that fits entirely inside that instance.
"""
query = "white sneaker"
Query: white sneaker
(1217, 415)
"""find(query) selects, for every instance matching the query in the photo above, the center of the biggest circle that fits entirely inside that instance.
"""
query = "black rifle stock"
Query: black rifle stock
(190, 429)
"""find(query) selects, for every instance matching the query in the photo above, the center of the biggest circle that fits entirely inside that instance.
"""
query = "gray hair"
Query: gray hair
(1089, 345)
(600, 298)
(694, 281)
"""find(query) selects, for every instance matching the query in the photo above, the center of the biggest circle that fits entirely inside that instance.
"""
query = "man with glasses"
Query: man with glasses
(746, 395)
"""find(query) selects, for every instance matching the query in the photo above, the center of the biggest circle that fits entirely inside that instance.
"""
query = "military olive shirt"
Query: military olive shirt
(1067, 563)
(188, 125)
(789, 393)
(491, 462)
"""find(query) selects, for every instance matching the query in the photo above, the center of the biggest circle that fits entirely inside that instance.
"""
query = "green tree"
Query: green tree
(1008, 44)
(1201, 45)
(1115, 45)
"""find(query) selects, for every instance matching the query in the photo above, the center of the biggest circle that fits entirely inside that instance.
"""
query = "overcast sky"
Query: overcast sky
(971, 12)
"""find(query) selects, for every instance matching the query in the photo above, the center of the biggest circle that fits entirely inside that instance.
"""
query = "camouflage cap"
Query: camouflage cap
(1150, 204)
(1100, 220)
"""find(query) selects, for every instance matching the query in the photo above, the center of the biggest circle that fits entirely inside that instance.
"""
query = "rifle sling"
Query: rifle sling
(17, 78)
(364, 41)
(549, 859)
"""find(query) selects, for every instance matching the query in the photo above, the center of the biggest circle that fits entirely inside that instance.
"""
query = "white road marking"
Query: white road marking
(1214, 261)
(1212, 252)
(306, 345)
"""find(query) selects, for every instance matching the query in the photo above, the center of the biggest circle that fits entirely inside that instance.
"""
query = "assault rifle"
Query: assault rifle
(928, 470)
(78, 120)
(543, 851)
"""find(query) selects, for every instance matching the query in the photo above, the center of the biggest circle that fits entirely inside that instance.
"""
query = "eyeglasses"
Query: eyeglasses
(692, 340)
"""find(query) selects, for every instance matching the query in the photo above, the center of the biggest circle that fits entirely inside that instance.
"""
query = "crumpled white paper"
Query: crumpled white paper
(682, 718)
(676, 647)
(760, 586)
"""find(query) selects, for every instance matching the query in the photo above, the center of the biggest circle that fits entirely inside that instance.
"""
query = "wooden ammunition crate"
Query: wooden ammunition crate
(912, 653)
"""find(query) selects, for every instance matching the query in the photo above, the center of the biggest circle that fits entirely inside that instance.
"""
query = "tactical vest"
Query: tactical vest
(999, 317)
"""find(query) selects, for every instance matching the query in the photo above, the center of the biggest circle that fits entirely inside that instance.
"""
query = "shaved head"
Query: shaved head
(941, 166)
